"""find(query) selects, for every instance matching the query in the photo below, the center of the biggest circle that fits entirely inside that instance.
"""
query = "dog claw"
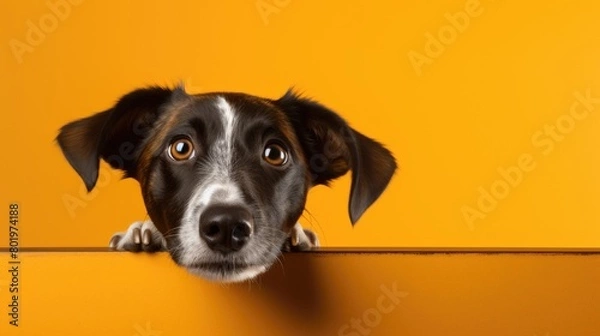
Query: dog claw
(294, 239)
(137, 239)
(147, 237)
(114, 241)
(141, 236)
(301, 240)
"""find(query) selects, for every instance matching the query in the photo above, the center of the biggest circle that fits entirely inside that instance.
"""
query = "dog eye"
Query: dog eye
(181, 149)
(274, 154)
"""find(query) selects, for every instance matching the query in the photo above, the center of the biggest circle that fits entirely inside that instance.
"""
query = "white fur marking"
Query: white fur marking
(217, 187)
(192, 246)
(225, 147)
(246, 274)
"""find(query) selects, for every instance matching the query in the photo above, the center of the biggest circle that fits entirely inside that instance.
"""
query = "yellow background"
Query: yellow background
(471, 110)
(310, 294)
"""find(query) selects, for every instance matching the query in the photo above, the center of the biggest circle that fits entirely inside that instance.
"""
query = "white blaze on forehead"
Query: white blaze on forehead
(219, 184)
(224, 146)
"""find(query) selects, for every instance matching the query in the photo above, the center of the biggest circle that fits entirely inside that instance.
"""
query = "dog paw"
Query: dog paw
(140, 236)
(301, 240)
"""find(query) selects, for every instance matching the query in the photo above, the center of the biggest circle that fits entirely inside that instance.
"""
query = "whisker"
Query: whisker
(321, 231)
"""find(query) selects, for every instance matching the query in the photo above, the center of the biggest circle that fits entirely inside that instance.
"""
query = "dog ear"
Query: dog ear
(113, 135)
(332, 148)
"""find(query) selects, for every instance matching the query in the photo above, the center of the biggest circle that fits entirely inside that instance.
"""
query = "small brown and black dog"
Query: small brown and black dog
(225, 176)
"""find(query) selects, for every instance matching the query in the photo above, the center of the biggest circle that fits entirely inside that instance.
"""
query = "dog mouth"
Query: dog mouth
(226, 272)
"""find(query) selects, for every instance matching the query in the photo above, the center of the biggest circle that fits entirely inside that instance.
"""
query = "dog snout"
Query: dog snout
(226, 228)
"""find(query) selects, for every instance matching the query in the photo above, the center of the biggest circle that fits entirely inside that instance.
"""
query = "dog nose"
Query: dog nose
(226, 228)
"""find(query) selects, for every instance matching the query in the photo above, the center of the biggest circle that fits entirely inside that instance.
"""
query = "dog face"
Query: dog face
(224, 176)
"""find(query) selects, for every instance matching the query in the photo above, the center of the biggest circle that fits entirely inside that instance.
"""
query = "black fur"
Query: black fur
(332, 147)
(113, 135)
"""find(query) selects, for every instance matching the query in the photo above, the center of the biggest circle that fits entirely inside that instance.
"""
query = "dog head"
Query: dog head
(224, 176)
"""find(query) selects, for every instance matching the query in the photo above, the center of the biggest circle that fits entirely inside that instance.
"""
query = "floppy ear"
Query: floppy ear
(332, 148)
(113, 135)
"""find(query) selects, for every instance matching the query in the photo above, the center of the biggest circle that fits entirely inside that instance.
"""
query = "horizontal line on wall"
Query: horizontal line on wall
(365, 250)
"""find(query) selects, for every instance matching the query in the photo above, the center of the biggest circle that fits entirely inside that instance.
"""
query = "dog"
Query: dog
(224, 176)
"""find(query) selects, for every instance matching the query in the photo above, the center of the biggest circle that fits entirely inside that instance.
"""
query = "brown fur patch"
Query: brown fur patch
(156, 139)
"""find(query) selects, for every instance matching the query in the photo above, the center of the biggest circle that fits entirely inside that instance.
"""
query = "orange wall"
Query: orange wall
(317, 294)
(454, 114)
